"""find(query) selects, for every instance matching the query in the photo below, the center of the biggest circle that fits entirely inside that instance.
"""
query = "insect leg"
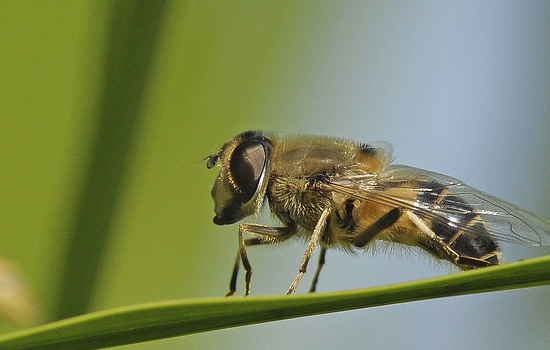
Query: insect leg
(432, 243)
(275, 234)
(318, 271)
(313, 241)
(235, 273)
(375, 228)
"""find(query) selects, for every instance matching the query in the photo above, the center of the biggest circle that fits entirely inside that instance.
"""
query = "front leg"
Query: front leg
(235, 273)
(274, 235)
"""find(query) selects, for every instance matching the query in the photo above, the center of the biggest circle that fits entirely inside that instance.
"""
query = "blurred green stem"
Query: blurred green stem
(131, 43)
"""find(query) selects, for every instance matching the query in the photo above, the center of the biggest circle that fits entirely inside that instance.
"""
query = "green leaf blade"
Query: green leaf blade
(169, 319)
(131, 43)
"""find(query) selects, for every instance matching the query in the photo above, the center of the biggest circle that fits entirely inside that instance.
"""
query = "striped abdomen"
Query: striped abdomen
(466, 235)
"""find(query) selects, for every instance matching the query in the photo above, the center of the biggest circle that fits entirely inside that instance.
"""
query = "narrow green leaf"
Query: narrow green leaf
(168, 319)
(132, 38)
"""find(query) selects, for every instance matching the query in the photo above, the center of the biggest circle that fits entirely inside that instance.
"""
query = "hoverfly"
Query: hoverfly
(340, 193)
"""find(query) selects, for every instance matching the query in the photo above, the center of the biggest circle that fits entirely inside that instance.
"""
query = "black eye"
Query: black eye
(246, 167)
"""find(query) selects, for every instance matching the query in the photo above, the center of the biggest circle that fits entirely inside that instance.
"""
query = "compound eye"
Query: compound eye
(246, 167)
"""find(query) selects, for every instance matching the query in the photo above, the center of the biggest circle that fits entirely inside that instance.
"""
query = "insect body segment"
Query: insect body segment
(339, 193)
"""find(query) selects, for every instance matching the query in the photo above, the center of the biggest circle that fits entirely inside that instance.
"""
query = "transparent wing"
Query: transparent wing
(447, 201)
